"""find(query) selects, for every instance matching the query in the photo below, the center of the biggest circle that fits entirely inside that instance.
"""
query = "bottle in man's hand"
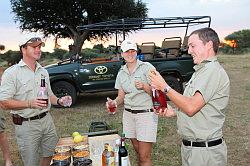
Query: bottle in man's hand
(43, 93)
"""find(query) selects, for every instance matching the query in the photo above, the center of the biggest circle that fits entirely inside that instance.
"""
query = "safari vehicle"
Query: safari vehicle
(97, 75)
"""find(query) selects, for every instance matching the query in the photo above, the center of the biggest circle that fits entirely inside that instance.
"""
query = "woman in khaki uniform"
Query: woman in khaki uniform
(201, 109)
(134, 91)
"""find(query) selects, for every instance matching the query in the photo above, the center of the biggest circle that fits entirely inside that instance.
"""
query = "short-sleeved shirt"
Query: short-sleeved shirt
(211, 80)
(135, 99)
(19, 82)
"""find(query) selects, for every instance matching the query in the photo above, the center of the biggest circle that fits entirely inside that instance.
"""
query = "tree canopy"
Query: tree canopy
(61, 17)
(242, 39)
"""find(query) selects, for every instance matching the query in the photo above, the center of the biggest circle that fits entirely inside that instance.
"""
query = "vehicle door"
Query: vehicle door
(98, 76)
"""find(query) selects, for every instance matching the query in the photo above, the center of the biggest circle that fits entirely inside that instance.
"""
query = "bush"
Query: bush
(12, 57)
(59, 53)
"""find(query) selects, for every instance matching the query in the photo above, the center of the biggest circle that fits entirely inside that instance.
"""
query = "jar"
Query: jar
(82, 162)
(62, 156)
(61, 160)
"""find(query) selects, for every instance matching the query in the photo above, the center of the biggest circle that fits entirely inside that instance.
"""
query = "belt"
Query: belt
(138, 111)
(40, 116)
(202, 144)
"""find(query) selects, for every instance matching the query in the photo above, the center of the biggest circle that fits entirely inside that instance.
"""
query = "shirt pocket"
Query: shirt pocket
(24, 86)
(127, 85)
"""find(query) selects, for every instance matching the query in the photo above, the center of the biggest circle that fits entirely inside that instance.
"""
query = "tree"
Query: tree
(61, 17)
(12, 57)
(241, 39)
(99, 47)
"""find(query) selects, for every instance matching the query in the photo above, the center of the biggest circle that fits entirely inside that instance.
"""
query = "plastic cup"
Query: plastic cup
(111, 107)
(67, 102)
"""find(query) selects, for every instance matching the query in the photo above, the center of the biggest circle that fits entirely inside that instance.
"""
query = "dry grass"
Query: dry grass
(166, 151)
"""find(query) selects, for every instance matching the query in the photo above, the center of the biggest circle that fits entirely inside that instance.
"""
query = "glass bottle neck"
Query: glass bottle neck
(122, 142)
(42, 82)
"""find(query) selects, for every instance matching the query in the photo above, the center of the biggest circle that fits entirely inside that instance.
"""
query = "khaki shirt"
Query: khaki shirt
(211, 80)
(19, 82)
(135, 99)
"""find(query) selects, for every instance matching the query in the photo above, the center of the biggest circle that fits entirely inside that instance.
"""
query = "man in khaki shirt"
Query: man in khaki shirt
(34, 128)
(200, 114)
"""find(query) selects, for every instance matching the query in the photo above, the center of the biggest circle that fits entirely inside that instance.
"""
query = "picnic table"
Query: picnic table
(96, 145)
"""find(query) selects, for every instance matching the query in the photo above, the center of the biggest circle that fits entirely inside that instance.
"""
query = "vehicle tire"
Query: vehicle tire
(63, 88)
(174, 83)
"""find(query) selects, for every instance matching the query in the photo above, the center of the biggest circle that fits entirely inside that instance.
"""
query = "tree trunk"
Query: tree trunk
(79, 41)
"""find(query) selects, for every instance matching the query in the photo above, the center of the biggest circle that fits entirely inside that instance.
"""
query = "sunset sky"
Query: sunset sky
(228, 16)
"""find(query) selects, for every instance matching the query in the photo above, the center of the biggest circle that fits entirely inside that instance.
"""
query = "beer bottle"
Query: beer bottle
(123, 153)
(43, 94)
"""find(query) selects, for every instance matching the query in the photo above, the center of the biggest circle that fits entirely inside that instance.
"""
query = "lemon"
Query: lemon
(75, 134)
(77, 139)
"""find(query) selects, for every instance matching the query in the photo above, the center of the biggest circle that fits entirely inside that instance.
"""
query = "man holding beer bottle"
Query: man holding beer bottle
(34, 128)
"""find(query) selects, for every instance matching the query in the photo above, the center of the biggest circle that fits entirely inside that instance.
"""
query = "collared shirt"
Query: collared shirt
(211, 80)
(135, 99)
(19, 82)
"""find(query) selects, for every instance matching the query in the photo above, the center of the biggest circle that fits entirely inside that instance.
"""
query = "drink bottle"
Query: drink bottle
(42, 93)
(112, 157)
(116, 151)
(159, 100)
(123, 153)
(104, 154)
(108, 156)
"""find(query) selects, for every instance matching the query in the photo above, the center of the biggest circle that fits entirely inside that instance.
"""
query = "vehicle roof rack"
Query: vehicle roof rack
(147, 23)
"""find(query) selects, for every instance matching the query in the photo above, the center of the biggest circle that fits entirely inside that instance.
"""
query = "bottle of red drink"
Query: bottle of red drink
(43, 94)
(159, 100)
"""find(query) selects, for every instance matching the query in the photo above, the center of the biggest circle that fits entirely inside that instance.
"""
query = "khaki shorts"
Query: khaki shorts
(142, 126)
(36, 139)
(2, 122)
(197, 156)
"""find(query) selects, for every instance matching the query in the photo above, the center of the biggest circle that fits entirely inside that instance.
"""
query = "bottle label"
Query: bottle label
(116, 156)
(124, 161)
(156, 104)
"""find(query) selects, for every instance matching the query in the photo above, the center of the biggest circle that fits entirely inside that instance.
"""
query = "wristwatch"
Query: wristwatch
(167, 88)
(58, 103)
